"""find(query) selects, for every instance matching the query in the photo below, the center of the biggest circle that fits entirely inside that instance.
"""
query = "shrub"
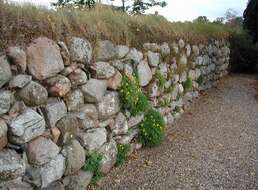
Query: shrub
(152, 128)
(92, 164)
(161, 79)
(200, 79)
(188, 85)
(131, 96)
(244, 54)
(122, 154)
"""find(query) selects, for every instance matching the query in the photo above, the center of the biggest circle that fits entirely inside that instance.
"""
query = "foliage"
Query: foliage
(140, 6)
(201, 19)
(161, 79)
(92, 164)
(19, 24)
(131, 96)
(122, 154)
(251, 19)
(200, 79)
(152, 128)
(219, 20)
(75, 3)
(244, 54)
(188, 84)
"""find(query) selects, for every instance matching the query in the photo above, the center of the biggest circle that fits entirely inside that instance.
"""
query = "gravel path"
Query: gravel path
(213, 146)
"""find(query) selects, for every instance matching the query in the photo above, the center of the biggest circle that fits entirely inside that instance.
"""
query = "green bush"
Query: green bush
(152, 128)
(92, 164)
(188, 84)
(122, 154)
(161, 79)
(131, 96)
(200, 79)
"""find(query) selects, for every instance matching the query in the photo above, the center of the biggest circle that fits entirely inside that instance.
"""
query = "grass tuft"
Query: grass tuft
(122, 154)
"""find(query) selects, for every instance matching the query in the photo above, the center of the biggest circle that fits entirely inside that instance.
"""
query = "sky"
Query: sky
(183, 10)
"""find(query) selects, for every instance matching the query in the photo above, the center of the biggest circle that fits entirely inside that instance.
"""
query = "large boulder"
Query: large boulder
(5, 71)
(78, 181)
(75, 157)
(80, 50)
(134, 56)
(26, 126)
(16, 184)
(46, 174)
(78, 78)
(6, 98)
(18, 57)
(33, 94)
(94, 90)
(68, 127)
(153, 58)
(74, 99)
(58, 85)
(121, 126)
(115, 82)
(103, 70)
(3, 134)
(93, 139)
(121, 51)
(106, 50)
(41, 150)
(165, 49)
(12, 165)
(109, 105)
(109, 155)
(144, 73)
(44, 58)
(54, 111)
(19, 81)
(90, 110)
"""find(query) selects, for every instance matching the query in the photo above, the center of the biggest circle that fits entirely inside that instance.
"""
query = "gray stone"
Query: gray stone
(17, 57)
(118, 64)
(93, 139)
(151, 46)
(5, 71)
(78, 78)
(12, 165)
(183, 77)
(183, 60)
(144, 73)
(136, 120)
(121, 51)
(64, 52)
(109, 154)
(103, 70)
(94, 90)
(127, 139)
(26, 126)
(68, 127)
(58, 85)
(154, 90)
(181, 43)
(55, 186)
(163, 68)
(175, 48)
(109, 105)
(153, 58)
(188, 50)
(74, 99)
(41, 150)
(106, 50)
(54, 111)
(44, 58)
(128, 69)
(19, 81)
(16, 184)
(6, 98)
(165, 49)
(84, 121)
(3, 134)
(135, 56)
(107, 123)
(196, 50)
(80, 50)
(33, 94)
(75, 157)
(115, 82)
(78, 181)
(120, 126)
(90, 110)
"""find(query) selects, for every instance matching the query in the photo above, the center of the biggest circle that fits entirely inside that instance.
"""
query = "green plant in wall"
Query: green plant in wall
(152, 128)
(122, 154)
(200, 79)
(131, 96)
(92, 164)
(188, 84)
(161, 79)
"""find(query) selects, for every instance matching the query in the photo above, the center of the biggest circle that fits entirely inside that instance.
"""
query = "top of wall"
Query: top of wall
(22, 23)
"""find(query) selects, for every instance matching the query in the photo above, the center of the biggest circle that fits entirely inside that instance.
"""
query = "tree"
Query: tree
(219, 20)
(75, 3)
(251, 19)
(140, 6)
(201, 19)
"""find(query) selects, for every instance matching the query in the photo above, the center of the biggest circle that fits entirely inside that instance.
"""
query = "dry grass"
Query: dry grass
(256, 87)
(21, 23)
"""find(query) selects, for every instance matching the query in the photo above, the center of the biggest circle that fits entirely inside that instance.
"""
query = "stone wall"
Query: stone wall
(59, 101)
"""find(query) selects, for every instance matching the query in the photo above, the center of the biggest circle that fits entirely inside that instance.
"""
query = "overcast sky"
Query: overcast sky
(182, 10)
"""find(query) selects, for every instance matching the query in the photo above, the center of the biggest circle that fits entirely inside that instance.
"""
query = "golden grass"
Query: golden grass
(256, 87)
(21, 23)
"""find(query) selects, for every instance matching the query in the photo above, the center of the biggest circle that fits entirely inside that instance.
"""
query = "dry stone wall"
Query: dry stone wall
(59, 101)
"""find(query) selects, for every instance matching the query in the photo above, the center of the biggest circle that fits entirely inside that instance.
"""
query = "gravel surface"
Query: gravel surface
(213, 146)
